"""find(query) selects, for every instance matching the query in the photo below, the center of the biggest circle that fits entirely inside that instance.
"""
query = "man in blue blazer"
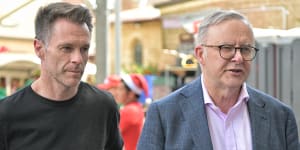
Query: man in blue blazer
(219, 111)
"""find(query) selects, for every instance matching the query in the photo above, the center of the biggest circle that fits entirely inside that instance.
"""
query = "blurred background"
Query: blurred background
(156, 38)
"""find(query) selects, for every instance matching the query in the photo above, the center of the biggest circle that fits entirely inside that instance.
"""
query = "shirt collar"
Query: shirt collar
(207, 99)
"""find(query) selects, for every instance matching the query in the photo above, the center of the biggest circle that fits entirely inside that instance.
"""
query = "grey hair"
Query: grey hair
(47, 15)
(218, 17)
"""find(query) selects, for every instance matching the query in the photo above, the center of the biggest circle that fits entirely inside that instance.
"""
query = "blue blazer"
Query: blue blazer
(179, 122)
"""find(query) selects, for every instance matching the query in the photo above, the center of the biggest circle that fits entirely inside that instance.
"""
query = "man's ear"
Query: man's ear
(199, 54)
(39, 48)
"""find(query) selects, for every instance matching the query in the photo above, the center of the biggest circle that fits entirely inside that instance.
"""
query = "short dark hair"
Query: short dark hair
(47, 15)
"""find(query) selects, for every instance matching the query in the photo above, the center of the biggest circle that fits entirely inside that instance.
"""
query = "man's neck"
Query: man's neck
(53, 91)
(223, 97)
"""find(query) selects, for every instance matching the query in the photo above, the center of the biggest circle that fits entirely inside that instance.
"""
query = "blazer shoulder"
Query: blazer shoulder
(191, 89)
(266, 100)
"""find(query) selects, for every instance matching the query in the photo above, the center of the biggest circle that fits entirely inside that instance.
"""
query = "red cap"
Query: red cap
(110, 82)
(137, 83)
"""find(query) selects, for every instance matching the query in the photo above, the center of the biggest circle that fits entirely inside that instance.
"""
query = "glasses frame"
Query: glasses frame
(235, 49)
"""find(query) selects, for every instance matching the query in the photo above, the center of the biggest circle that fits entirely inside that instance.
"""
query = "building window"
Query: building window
(138, 53)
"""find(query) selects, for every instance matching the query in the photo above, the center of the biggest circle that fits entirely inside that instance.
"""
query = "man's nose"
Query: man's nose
(238, 55)
(77, 57)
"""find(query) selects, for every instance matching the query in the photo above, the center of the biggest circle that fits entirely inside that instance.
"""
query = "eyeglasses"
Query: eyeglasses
(228, 51)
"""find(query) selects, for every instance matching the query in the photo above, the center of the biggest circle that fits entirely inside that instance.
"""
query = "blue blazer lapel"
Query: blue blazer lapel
(260, 124)
(193, 109)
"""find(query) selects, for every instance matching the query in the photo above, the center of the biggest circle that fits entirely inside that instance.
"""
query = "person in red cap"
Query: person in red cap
(111, 84)
(132, 113)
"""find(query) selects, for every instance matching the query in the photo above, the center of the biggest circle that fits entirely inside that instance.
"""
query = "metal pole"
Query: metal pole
(101, 43)
(118, 36)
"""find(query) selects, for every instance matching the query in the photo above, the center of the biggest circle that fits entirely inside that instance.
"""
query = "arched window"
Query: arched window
(138, 52)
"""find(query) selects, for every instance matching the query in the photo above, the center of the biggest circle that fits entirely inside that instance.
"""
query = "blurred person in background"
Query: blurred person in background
(111, 84)
(15, 85)
(58, 111)
(132, 112)
(218, 110)
(2, 88)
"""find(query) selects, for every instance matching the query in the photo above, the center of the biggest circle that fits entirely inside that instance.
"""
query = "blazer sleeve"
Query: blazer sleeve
(152, 137)
(291, 133)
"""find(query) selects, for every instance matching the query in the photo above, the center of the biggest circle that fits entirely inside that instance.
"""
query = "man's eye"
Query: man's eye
(227, 47)
(85, 49)
(245, 49)
(67, 49)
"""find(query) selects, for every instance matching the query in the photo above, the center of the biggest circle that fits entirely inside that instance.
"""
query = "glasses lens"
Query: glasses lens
(248, 53)
(228, 52)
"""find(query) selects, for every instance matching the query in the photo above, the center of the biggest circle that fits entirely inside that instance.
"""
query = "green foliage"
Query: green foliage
(145, 70)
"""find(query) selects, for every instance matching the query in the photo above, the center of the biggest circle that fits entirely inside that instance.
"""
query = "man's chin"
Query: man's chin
(72, 82)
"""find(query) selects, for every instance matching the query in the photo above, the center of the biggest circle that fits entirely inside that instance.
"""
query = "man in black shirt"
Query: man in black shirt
(58, 111)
